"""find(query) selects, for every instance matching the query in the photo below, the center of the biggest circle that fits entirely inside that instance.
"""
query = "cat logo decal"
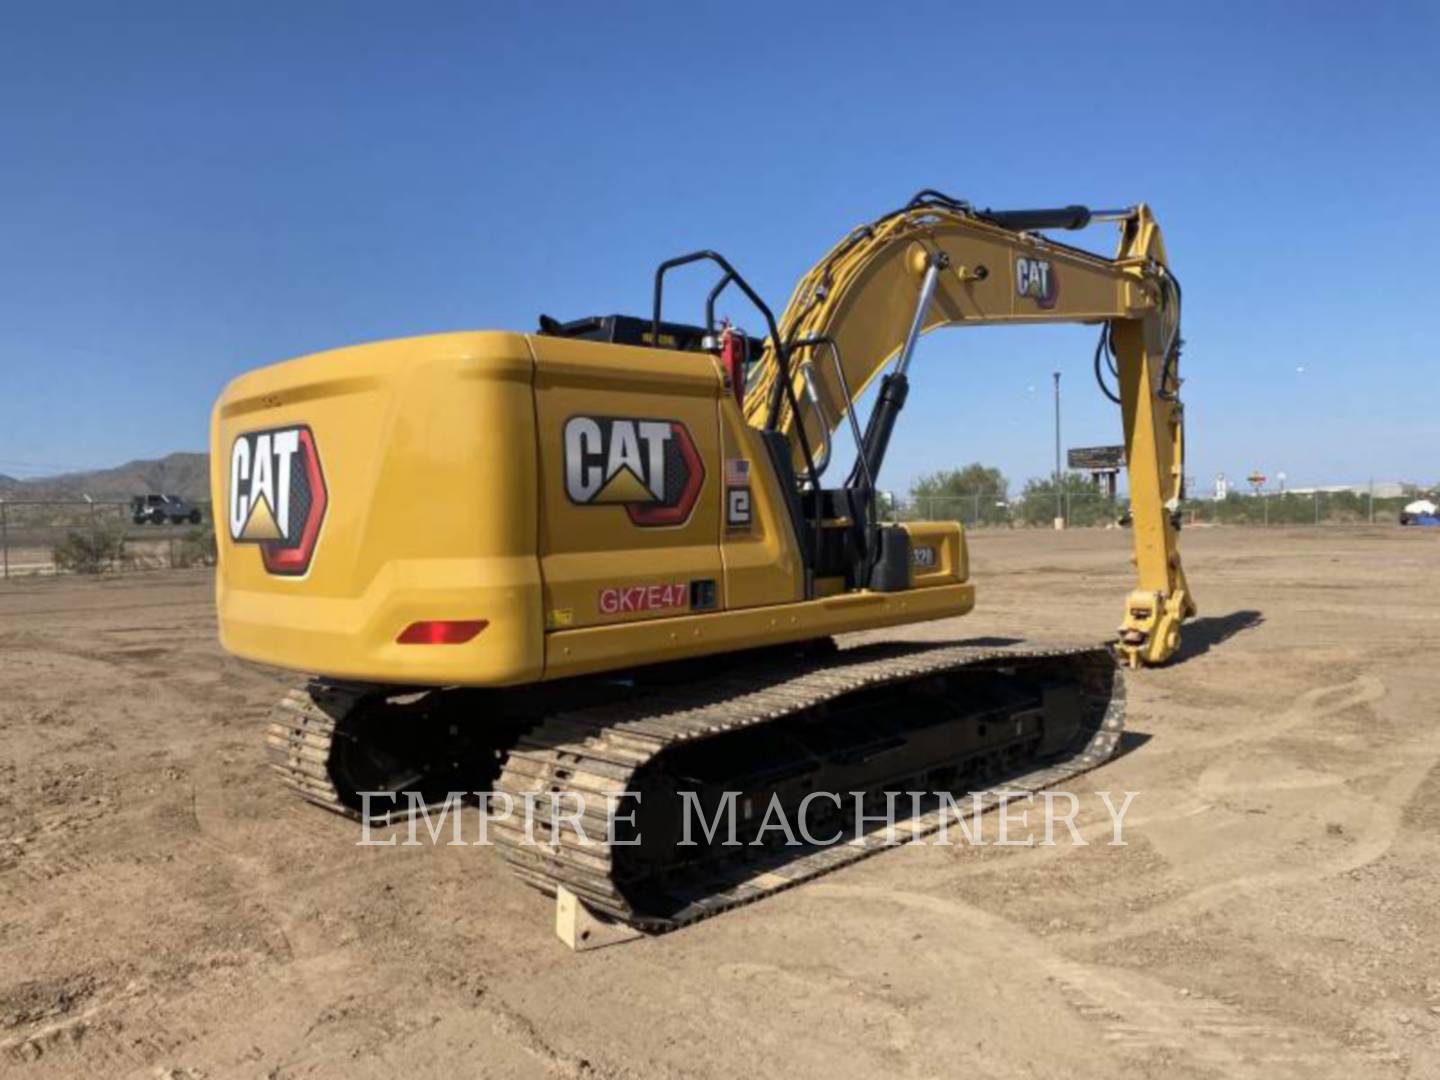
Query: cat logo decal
(277, 496)
(650, 467)
(1036, 279)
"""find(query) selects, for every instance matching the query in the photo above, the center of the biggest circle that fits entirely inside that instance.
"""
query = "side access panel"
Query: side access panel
(629, 452)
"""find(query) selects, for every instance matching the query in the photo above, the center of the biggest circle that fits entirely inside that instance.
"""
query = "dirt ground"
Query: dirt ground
(166, 912)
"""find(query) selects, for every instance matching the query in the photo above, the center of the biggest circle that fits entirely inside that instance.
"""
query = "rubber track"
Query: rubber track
(599, 749)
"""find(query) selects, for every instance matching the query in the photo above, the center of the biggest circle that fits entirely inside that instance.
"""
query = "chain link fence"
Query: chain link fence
(1337, 507)
(992, 509)
(1097, 509)
(41, 537)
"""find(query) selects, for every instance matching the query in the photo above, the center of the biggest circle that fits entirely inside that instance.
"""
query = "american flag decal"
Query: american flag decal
(737, 472)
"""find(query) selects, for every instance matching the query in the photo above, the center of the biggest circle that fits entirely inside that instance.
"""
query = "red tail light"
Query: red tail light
(441, 631)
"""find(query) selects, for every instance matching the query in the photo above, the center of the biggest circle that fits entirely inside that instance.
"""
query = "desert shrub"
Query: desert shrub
(89, 551)
(197, 548)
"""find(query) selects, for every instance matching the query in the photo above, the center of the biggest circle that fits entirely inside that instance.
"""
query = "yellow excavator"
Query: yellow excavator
(603, 559)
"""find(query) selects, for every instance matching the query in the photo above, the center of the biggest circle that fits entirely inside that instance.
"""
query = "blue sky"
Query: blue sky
(192, 190)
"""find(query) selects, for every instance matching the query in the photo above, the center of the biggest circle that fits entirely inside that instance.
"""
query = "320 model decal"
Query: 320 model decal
(650, 467)
(277, 496)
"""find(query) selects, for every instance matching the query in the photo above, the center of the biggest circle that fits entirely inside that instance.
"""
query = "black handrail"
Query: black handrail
(720, 286)
(784, 385)
(724, 264)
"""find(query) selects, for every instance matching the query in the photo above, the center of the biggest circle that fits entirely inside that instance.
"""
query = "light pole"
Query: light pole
(1059, 496)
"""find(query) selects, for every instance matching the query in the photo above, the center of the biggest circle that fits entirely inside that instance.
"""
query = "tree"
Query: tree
(974, 495)
(1082, 501)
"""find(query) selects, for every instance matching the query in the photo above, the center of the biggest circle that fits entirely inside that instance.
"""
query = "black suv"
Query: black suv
(158, 509)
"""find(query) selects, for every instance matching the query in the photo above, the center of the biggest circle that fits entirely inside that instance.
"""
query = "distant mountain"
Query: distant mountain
(174, 474)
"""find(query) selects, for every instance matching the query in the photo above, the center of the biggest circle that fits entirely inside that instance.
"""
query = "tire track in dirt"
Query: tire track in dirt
(325, 972)
(1137, 1015)
(40, 848)
(1313, 705)
(1319, 703)
(100, 1034)
(1375, 839)
(138, 1034)
(254, 875)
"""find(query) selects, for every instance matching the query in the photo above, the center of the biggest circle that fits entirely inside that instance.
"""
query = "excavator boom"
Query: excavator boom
(939, 263)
